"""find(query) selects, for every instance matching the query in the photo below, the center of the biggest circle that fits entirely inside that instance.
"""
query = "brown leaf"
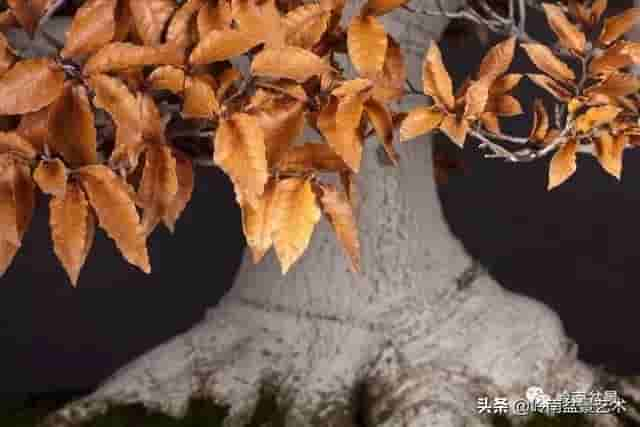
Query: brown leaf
(93, 26)
(347, 145)
(436, 80)
(34, 127)
(261, 19)
(239, 150)
(72, 229)
(389, 85)
(222, 45)
(382, 122)
(181, 30)
(609, 151)
(613, 59)
(336, 206)
(29, 12)
(504, 84)
(116, 211)
(505, 106)
(8, 209)
(568, 34)
(167, 78)
(289, 62)
(367, 45)
(199, 98)
(616, 26)
(617, 84)
(310, 157)
(541, 122)
(491, 123)
(257, 223)
(120, 56)
(546, 61)
(51, 177)
(214, 17)
(114, 97)
(498, 60)
(7, 55)
(305, 25)
(419, 121)
(563, 164)
(150, 18)
(597, 10)
(456, 129)
(30, 85)
(17, 145)
(381, 7)
(184, 173)
(595, 117)
(295, 214)
(476, 97)
(551, 86)
(226, 80)
(77, 143)
(158, 187)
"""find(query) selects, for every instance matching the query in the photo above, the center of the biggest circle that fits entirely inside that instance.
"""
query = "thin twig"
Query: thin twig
(523, 15)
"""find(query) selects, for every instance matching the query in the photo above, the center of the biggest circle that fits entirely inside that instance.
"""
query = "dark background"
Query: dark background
(573, 248)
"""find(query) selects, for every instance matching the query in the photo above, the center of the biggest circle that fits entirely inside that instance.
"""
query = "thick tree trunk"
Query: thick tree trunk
(419, 335)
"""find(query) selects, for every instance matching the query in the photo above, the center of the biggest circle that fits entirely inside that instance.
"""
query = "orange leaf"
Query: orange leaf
(51, 177)
(491, 123)
(551, 86)
(257, 223)
(222, 45)
(568, 34)
(336, 206)
(150, 18)
(347, 144)
(261, 19)
(7, 55)
(289, 62)
(367, 45)
(17, 145)
(476, 98)
(239, 150)
(29, 12)
(72, 229)
(540, 122)
(563, 164)
(381, 7)
(295, 214)
(116, 211)
(505, 106)
(184, 173)
(214, 17)
(616, 26)
(305, 25)
(546, 61)
(504, 84)
(382, 122)
(199, 98)
(93, 26)
(122, 56)
(498, 60)
(617, 84)
(419, 121)
(595, 117)
(30, 85)
(77, 143)
(436, 80)
(456, 129)
(181, 29)
(389, 85)
(168, 78)
(310, 157)
(609, 152)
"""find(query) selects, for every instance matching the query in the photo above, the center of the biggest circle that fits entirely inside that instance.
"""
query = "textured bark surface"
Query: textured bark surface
(420, 334)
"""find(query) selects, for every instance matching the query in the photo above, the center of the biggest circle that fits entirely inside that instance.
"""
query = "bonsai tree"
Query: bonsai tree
(375, 314)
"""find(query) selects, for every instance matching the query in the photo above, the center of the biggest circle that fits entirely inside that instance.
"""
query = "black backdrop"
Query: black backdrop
(573, 248)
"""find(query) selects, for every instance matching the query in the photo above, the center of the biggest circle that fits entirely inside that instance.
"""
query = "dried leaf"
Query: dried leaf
(381, 7)
(93, 26)
(77, 143)
(551, 86)
(184, 173)
(199, 99)
(17, 145)
(491, 123)
(72, 229)
(30, 85)
(7, 55)
(347, 145)
(257, 223)
(389, 85)
(546, 61)
(616, 26)
(563, 164)
(167, 78)
(419, 121)
(8, 209)
(181, 29)
(504, 84)
(505, 106)
(382, 122)
(239, 150)
(29, 12)
(367, 45)
(288, 63)
(568, 34)
(151, 17)
(497, 61)
(613, 59)
(34, 127)
(295, 214)
(261, 19)
(122, 56)
(214, 17)
(116, 211)
(617, 84)
(541, 122)
(158, 187)
(335, 205)
(436, 80)
(476, 98)
(310, 157)
(282, 121)
(305, 25)
(456, 129)
(51, 177)
(595, 117)
(609, 151)
(222, 45)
